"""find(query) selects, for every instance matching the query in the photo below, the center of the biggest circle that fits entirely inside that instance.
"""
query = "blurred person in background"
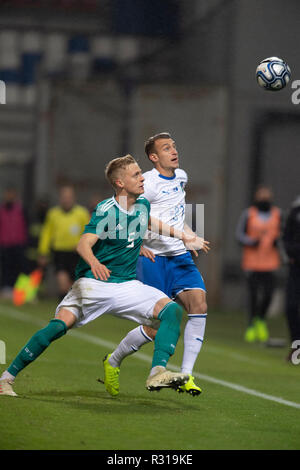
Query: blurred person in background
(291, 240)
(60, 234)
(35, 224)
(258, 231)
(13, 239)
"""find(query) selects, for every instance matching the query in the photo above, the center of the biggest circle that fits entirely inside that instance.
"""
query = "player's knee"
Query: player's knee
(198, 308)
(171, 314)
(54, 330)
(169, 331)
(58, 328)
(203, 308)
(151, 332)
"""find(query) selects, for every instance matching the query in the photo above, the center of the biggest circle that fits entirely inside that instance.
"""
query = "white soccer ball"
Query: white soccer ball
(273, 74)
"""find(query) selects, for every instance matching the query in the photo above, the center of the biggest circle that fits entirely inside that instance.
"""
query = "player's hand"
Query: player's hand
(100, 271)
(193, 243)
(147, 253)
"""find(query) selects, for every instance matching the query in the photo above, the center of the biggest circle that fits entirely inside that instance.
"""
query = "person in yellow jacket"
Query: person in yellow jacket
(258, 231)
(59, 236)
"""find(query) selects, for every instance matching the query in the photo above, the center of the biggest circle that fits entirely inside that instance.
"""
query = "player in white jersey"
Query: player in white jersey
(165, 263)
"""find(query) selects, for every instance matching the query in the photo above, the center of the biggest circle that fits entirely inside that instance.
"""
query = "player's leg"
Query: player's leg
(136, 338)
(151, 274)
(252, 297)
(165, 339)
(188, 288)
(132, 342)
(169, 314)
(37, 344)
(267, 286)
(147, 305)
(194, 302)
(129, 345)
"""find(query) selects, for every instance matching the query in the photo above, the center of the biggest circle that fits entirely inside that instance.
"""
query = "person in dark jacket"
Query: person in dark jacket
(291, 240)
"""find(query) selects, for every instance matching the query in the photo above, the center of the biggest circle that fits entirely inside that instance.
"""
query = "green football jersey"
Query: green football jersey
(120, 238)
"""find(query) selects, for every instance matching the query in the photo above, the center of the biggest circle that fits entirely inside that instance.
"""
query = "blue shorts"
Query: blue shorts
(170, 274)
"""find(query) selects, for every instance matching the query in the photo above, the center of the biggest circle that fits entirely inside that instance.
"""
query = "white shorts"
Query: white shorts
(88, 299)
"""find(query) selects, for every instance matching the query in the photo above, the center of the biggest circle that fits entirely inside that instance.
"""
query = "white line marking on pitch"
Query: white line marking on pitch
(26, 317)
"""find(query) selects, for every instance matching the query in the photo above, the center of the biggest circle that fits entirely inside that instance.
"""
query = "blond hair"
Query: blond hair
(113, 168)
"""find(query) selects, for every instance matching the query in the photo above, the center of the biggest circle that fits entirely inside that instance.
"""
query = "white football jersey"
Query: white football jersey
(167, 198)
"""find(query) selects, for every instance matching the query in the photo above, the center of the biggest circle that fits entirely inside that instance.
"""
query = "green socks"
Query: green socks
(168, 333)
(37, 344)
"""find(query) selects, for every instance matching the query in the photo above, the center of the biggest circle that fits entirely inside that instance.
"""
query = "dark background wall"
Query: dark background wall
(90, 80)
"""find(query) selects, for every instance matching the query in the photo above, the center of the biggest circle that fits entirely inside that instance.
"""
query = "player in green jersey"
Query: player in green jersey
(106, 280)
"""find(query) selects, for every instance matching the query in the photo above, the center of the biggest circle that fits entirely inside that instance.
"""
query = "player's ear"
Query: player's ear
(119, 184)
(153, 157)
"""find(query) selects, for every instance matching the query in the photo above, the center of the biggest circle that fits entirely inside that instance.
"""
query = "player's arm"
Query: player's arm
(200, 241)
(84, 249)
(191, 241)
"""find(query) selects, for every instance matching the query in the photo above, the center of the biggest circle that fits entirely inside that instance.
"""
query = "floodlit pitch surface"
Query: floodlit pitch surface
(250, 399)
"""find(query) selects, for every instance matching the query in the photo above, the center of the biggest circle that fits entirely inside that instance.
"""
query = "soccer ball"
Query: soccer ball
(273, 74)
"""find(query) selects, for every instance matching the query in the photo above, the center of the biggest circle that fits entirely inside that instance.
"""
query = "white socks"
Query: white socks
(193, 339)
(129, 345)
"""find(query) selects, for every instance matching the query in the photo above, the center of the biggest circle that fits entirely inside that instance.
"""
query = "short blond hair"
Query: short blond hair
(114, 166)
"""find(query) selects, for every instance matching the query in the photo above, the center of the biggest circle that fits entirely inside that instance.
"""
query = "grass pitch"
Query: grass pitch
(250, 399)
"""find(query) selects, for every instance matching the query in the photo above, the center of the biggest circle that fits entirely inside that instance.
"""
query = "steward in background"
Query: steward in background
(258, 231)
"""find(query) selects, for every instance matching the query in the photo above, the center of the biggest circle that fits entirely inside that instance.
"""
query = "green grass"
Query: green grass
(62, 406)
